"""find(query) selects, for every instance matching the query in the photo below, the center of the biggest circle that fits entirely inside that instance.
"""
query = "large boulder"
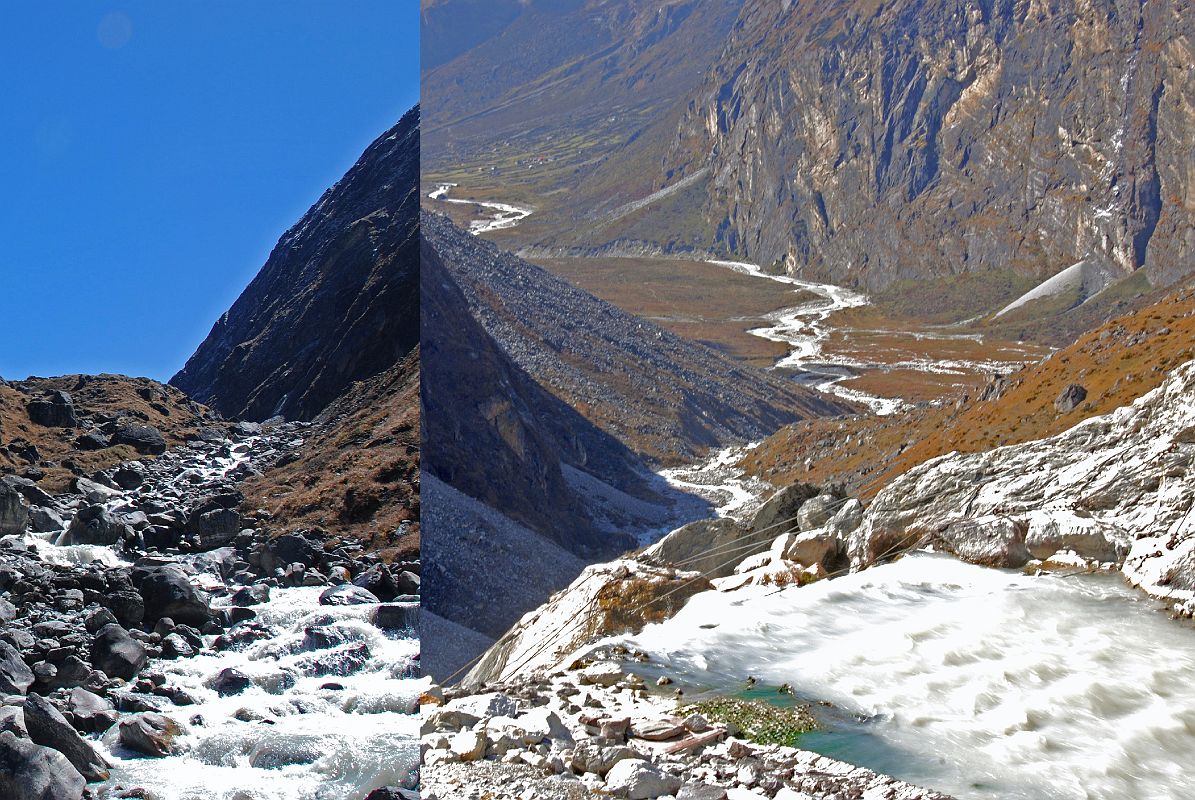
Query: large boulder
(991, 541)
(779, 514)
(347, 595)
(29, 771)
(145, 439)
(1070, 398)
(821, 546)
(96, 525)
(49, 728)
(378, 581)
(14, 514)
(709, 546)
(1088, 537)
(92, 713)
(637, 779)
(151, 734)
(54, 410)
(168, 592)
(215, 528)
(289, 548)
(15, 675)
(117, 653)
(817, 511)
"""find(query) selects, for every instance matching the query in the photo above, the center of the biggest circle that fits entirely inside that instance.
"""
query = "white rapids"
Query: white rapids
(504, 216)
(319, 722)
(978, 682)
(719, 480)
(278, 741)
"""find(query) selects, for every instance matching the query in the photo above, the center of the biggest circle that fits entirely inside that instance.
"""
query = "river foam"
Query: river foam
(978, 682)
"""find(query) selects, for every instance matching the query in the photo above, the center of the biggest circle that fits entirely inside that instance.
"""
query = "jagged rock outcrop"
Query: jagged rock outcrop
(868, 144)
(336, 302)
(1115, 488)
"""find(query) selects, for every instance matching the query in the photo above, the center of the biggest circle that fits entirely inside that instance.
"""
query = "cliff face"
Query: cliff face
(336, 302)
(866, 142)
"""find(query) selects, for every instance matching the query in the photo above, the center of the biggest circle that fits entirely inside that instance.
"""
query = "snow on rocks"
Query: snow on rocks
(593, 730)
(606, 599)
(1114, 489)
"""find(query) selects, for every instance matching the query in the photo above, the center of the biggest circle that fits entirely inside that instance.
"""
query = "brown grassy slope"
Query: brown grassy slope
(142, 400)
(357, 475)
(1116, 362)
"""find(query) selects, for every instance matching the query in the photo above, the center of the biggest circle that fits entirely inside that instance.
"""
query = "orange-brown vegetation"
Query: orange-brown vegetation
(1116, 363)
(140, 400)
(357, 475)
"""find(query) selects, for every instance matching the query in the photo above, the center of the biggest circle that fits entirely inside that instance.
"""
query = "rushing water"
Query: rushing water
(331, 711)
(982, 683)
(300, 730)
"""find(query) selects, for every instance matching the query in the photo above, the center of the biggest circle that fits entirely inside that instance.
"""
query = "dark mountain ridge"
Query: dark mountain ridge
(336, 302)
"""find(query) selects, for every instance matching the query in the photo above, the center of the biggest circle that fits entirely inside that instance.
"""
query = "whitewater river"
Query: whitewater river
(330, 711)
(502, 216)
(978, 682)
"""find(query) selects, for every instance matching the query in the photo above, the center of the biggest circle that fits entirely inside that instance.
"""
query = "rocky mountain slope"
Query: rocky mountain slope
(514, 477)
(356, 475)
(572, 100)
(662, 396)
(336, 302)
(869, 143)
(1114, 488)
(55, 429)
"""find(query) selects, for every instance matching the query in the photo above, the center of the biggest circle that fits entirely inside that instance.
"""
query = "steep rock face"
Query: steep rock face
(1113, 488)
(868, 143)
(494, 434)
(336, 302)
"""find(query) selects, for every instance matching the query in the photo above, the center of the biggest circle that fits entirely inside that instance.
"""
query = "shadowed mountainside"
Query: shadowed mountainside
(662, 396)
(336, 302)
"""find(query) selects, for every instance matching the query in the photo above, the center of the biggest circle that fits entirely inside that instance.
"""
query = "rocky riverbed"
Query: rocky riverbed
(595, 730)
(159, 642)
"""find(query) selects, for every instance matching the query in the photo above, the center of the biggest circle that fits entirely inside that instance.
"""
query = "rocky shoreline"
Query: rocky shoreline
(594, 730)
(145, 564)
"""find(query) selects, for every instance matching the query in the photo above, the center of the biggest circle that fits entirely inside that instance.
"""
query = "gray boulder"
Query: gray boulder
(709, 546)
(151, 734)
(637, 779)
(347, 595)
(117, 653)
(49, 728)
(15, 675)
(54, 410)
(96, 525)
(44, 520)
(14, 514)
(167, 592)
(145, 439)
(1070, 398)
(778, 514)
(817, 511)
(92, 713)
(31, 772)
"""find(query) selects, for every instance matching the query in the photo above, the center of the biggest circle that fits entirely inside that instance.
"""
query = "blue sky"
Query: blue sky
(151, 154)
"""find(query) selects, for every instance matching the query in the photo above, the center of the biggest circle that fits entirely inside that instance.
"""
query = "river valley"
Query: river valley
(252, 670)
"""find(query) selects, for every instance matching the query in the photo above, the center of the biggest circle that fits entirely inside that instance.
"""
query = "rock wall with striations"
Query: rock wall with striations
(868, 142)
(336, 302)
